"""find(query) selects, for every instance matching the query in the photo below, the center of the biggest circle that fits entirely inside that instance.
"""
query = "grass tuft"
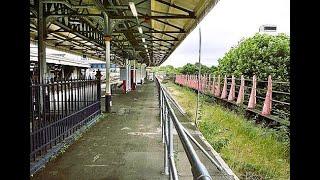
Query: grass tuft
(251, 151)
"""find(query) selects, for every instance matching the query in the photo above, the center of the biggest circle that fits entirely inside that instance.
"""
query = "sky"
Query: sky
(225, 25)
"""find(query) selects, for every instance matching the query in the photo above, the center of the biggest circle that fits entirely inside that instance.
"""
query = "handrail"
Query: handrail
(168, 118)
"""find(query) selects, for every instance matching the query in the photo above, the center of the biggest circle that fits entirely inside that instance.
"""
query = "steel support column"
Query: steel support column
(128, 76)
(42, 66)
(134, 75)
(141, 73)
(107, 38)
(41, 42)
(108, 101)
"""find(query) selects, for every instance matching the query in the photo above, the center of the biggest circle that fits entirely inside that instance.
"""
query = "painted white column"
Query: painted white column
(127, 73)
(108, 87)
(134, 72)
(141, 73)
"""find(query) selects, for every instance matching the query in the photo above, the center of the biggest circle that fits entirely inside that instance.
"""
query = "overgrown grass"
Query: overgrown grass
(251, 151)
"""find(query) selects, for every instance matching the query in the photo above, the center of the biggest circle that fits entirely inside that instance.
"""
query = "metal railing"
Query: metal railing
(170, 120)
(60, 108)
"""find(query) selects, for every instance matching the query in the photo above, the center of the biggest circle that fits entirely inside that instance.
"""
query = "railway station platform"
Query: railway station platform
(125, 144)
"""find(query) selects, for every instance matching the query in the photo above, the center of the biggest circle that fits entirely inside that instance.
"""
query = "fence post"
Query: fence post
(209, 83)
(241, 91)
(224, 90)
(217, 92)
(170, 128)
(252, 100)
(267, 105)
(232, 90)
(213, 87)
(166, 160)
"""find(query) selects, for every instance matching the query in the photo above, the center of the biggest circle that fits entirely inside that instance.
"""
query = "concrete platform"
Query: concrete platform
(126, 144)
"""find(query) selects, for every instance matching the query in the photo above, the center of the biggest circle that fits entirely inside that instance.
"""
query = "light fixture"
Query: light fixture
(143, 40)
(140, 30)
(74, 22)
(133, 9)
(146, 50)
(145, 46)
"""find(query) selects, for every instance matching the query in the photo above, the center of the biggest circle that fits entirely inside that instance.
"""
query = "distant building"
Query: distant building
(267, 28)
(101, 65)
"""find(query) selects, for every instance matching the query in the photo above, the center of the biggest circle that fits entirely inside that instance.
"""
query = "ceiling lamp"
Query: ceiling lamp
(133, 9)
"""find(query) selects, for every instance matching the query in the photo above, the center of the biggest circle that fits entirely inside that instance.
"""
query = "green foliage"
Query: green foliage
(186, 69)
(251, 151)
(168, 70)
(194, 69)
(261, 54)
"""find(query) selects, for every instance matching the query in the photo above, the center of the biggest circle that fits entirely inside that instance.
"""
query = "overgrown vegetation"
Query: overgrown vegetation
(261, 54)
(251, 151)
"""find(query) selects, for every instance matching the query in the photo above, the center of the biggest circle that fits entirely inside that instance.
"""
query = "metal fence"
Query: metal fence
(278, 96)
(58, 109)
(170, 121)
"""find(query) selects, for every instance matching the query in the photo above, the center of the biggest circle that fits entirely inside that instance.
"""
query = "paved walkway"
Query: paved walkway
(125, 145)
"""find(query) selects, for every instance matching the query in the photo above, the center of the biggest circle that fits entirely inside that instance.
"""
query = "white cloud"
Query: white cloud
(226, 24)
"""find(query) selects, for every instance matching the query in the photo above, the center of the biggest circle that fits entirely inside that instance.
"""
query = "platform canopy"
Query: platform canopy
(145, 30)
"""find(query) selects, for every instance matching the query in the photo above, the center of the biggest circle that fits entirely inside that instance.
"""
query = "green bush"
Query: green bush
(261, 54)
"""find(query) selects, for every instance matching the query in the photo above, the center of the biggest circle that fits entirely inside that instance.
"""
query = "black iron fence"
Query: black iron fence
(59, 108)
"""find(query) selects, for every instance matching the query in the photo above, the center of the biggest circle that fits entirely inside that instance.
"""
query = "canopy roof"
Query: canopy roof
(78, 26)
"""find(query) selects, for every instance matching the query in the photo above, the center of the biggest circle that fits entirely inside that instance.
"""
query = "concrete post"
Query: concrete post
(241, 91)
(252, 100)
(224, 89)
(267, 105)
(232, 90)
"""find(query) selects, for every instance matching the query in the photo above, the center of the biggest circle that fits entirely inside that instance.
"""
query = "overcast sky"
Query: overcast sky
(226, 24)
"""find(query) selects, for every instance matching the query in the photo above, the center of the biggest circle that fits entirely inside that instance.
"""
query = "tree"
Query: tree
(188, 69)
(261, 54)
